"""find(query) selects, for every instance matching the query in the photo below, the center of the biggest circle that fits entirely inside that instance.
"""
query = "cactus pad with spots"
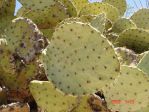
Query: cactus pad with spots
(80, 63)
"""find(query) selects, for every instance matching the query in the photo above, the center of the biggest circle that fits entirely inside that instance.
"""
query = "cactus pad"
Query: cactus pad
(99, 22)
(36, 4)
(81, 62)
(50, 99)
(24, 38)
(144, 63)
(123, 24)
(79, 4)
(141, 18)
(46, 17)
(129, 92)
(121, 5)
(135, 39)
(98, 8)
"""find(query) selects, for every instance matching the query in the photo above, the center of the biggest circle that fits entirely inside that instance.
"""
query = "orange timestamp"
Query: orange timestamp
(131, 101)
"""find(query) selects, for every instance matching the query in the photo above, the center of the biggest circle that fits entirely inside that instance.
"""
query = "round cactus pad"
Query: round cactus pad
(141, 18)
(121, 5)
(79, 60)
(135, 39)
(129, 92)
(24, 38)
(98, 8)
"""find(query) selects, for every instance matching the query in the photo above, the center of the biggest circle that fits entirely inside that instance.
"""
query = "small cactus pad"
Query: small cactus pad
(129, 92)
(81, 62)
(46, 17)
(135, 39)
(98, 8)
(99, 22)
(141, 18)
(24, 38)
(123, 24)
(127, 56)
(79, 4)
(121, 5)
(144, 63)
(50, 99)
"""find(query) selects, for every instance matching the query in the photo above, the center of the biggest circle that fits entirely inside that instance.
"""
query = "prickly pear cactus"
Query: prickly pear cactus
(135, 39)
(141, 18)
(48, 15)
(144, 63)
(73, 62)
(129, 92)
(121, 5)
(98, 8)
(51, 99)
(122, 24)
(24, 38)
(99, 22)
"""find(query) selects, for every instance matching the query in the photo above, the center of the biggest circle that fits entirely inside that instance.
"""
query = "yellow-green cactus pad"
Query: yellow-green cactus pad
(121, 5)
(72, 11)
(46, 17)
(123, 24)
(24, 38)
(79, 59)
(127, 56)
(98, 8)
(37, 4)
(129, 92)
(79, 4)
(144, 63)
(146, 109)
(50, 99)
(7, 8)
(87, 18)
(135, 39)
(141, 18)
(99, 22)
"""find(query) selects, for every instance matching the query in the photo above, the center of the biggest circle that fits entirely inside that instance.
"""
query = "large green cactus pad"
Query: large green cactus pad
(129, 92)
(79, 59)
(46, 17)
(50, 99)
(24, 38)
(144, 63)
(121, 5)
(98, 8)
(123, 24)
(141, 18)
(135, 39)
